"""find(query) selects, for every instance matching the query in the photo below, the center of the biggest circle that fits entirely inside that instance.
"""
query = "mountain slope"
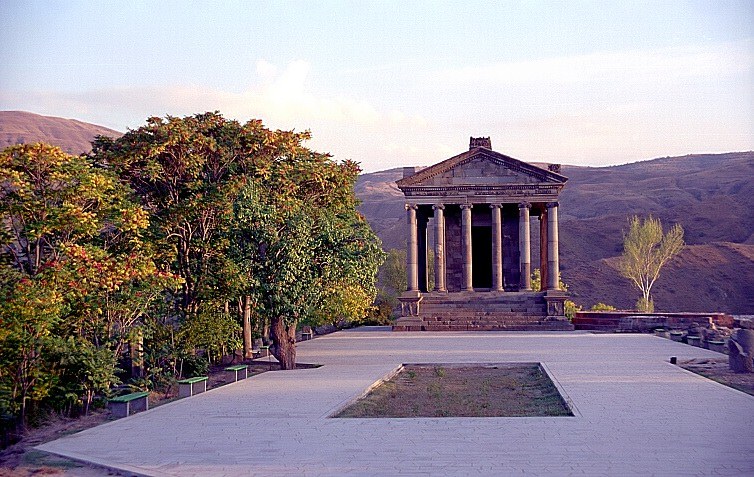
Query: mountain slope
(710, 195)
(74, 137)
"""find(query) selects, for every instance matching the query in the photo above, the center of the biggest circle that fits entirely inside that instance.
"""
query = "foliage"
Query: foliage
(214, 332)
(602, 307)
(84, 371)
(646, 249)
(30, 309)
(186, 173)
(536, 281)
(645, 305)
(73, 264)
(304, 264)
(392, 273)
(143, 245)
(571, 308)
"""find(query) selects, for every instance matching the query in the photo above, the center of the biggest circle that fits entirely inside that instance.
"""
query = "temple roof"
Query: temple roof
(481, 167)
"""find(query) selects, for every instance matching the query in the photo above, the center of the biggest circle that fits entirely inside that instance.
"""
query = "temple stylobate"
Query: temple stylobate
(473, 215)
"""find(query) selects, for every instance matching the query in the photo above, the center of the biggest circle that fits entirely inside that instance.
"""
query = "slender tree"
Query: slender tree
(646, 249)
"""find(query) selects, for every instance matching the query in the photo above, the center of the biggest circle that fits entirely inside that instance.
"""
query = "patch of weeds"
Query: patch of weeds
(502, 390)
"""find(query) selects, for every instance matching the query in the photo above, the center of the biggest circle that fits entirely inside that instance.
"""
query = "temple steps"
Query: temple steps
(481, 311)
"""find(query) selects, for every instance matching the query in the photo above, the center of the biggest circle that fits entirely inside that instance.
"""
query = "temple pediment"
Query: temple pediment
(481, 167)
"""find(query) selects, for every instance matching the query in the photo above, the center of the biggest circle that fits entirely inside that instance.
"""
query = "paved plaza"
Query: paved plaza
(636, 414)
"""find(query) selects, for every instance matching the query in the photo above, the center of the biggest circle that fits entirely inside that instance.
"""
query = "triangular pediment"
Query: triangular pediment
(481, 167)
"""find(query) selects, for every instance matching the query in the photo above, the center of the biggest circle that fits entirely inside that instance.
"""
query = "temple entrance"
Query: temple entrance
(481, 250)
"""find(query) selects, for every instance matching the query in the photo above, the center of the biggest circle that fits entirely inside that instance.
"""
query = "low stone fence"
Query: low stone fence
(636, 322)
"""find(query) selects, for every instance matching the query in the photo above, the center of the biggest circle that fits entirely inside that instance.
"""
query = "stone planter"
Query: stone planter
(676, 336)
(694, 340)
(716, 346)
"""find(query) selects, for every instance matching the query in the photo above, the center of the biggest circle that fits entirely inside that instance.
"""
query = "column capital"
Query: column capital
(496, 206)
(438, 206)
(524, 205)
(550, 205)
(411, 206)
(467, 206)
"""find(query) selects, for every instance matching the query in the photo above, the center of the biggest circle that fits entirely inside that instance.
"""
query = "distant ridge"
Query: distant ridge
(710, 195)
(71, 135)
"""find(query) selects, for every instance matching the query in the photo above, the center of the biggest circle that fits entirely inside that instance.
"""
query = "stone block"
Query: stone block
(738, 360)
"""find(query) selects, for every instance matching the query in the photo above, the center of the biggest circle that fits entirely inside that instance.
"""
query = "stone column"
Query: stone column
(497, 247)
(439, 247)
(524, 246)
(466, 246)
(553, 265)
(412, 252)
(422, 262)
(543, 248)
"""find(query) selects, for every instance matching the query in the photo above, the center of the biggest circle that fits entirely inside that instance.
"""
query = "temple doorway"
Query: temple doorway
(481, 251)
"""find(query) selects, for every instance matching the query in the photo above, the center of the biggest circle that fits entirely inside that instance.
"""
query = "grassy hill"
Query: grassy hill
(74, 137)
(710, 195)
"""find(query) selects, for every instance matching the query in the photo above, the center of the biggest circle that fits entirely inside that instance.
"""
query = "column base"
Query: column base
(555, 300)
(410, 303)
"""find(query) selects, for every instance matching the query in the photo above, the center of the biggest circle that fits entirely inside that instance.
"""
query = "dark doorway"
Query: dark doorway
(481, 256)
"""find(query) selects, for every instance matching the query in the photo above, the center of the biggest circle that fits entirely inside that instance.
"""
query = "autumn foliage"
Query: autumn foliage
(176, 243)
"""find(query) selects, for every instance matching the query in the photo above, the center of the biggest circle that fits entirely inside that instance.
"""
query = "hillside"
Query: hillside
(710, 195)
(74, 137)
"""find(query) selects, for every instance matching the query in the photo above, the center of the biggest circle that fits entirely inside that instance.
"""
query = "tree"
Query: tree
(646, 249)
(304, 260)
(72, 265)
(186, 173)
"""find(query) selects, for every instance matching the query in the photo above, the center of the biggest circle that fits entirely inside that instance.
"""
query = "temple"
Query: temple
(473, 214)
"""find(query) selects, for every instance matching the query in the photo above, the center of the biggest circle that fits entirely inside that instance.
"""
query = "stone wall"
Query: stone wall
(634, 321)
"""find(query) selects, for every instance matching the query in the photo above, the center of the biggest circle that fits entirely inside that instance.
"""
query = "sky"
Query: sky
(402, 83)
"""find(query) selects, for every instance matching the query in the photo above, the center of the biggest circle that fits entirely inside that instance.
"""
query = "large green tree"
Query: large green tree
(245, 214)
(308, 255)
(646, 249)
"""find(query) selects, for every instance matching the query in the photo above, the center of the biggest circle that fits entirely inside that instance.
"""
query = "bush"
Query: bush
(645, 306)
(192, 365)
(602, 307)
(570, 309)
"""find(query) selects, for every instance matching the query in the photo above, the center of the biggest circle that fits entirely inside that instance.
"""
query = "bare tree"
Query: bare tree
(646, 249)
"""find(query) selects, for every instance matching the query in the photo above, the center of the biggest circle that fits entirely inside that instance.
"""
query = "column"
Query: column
(466, 246)
(543, 248)
(412, 252)
(439, 247)
(497, 247)
(553, 264)
(422, 262)
(524, 246)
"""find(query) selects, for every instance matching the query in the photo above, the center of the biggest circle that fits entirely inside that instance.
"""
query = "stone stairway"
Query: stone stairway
(481, 311)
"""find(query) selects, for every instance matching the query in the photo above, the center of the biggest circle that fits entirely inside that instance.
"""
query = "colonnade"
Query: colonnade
(549, 255)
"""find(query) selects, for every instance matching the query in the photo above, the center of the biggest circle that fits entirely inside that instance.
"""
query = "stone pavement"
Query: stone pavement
(636, 414)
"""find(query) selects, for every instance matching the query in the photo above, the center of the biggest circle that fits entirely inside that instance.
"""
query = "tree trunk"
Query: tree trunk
(283, 342)
(247, 327)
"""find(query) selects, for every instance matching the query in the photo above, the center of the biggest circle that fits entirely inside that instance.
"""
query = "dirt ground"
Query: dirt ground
(717, 370)
(438, 390)
(21, 460)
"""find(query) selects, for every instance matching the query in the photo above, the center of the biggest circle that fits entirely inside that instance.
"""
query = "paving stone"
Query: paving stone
(637, 415)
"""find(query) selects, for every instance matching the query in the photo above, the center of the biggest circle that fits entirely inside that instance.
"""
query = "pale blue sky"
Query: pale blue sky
(402, 83)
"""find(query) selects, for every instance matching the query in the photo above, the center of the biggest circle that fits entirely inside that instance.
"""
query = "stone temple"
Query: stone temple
(477, 208)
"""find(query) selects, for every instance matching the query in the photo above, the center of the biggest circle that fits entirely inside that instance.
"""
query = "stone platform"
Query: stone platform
(482, 311)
